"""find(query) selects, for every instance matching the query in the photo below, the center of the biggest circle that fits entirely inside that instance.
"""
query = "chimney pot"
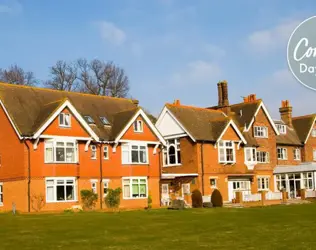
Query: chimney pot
(177, 102)
(286, 112)
(136, 102)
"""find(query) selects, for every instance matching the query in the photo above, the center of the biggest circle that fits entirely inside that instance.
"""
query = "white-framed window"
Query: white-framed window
(263, 157)
(105, 187)
(1, 194)
(94, 186)
(61, 189)
(263, 183)
(93, 152)
(250, 154)
(314, 132)
(314, 154)
(186, 189)
(134, 153)
(172, 154)
(64, 120)
(213, 182)
(281, 128)
(308, 180)
(135, 187)
(226, 152)
(57, 151)
(282, 153)
(138, 126)
(261, 131)
(297, 154)
(106, 152)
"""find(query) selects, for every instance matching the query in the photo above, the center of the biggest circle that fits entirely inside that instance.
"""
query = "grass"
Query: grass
(277, 227)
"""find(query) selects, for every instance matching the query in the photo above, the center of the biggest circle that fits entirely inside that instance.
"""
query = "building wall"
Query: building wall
(290, 156)
(309, 147)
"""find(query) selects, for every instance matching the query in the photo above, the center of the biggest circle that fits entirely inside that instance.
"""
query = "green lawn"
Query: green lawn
(277, 227)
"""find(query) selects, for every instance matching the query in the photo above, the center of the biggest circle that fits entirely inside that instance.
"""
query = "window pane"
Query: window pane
(142, 190)
(143, 156)
(61, 144)
(60, 154)
(50, 182)
(135, 157)
(60, 193)
(135, 190)
(67, 119)
(70, 154)
(70, 193)
(70, 144)
(126, 191)
(179, 157)
(50, 193)
(49, 156)
(60, 182)
(61, 119)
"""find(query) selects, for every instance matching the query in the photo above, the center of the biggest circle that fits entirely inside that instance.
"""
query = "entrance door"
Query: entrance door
(238, 185)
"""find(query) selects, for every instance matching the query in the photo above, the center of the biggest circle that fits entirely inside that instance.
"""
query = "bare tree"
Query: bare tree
(102, 78)
(64, 76)
(16, 75)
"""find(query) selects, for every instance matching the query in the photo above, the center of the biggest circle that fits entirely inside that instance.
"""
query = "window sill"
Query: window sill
(282, 159)
(105, 158)
(172, 165)
(227, 163)
(61, 162)
(138, 132)
(61, 126)
(135, 198)
(68, 201)
(135, 164)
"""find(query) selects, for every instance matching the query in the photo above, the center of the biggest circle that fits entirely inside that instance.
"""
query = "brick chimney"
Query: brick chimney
(250, 98)
(220, 94)
(177, 102)
(286, 112)
(222, 88)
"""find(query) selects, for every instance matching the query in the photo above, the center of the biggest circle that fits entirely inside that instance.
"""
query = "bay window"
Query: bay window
(250, 155)
(263, 157)
(282, 153)
(263, 183)
(172, 154)
(61, 189)
(60, 151)
(226, 152)
(134, 188)
(134, 154)
(261, 131)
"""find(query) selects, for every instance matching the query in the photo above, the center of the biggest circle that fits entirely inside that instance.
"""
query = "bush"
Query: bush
(217, 199)
(150, 202)
(197, 200)
(88, 198)
(113, 198)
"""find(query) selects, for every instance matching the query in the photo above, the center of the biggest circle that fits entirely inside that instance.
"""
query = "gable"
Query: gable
(146, 135)
(230, 134)
(310, 137)
(168, 126)
(75, 129)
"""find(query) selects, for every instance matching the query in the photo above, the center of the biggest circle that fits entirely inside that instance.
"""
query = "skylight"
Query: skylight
(104, 120)
(89, 119)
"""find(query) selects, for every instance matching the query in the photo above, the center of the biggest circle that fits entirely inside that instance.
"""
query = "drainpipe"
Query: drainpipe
(101, 176)
(28, 177)
(160, 176)
(202, 166)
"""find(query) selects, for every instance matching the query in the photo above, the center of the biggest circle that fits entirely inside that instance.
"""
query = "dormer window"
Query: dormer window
(89, 119)
(104, 120)
(64, 120)
(138, 126)
(261, 132)
(281, 128)
(226, 152)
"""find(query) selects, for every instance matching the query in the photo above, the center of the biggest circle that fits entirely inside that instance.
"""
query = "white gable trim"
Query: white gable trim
(231, 123)
(141, 113)
(166, 110)
(269, 118)
(310, 131)
(11, 121)
(75, 113)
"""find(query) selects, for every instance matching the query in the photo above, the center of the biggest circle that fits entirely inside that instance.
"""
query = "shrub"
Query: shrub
(113, 198)
(217, 199)
(38, 202)
(88, 198)
(197, 200)
(150, 202)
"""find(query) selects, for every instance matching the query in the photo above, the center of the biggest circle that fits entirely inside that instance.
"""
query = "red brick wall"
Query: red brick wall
(309, 147)
(290, 156)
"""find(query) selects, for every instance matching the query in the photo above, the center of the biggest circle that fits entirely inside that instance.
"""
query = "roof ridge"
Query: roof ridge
(55, 90)
(194, 107)
(253, 102)
(126, 110)
(303, 116)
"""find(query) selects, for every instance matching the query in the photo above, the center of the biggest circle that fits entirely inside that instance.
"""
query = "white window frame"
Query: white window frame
(127, 153)
(1, 194)
(281, 128)
(307, 177)
(94, 186)
(260, 131)
(138, 126)
(313, 132)
(263, 183)
(131, 187)
(297, 154)
(93, 155)
(52, 143)
(215, 184)
(185, 189)
(222, 145)
(250, 152)
(261, 155)
(166, 157)
(62, 120)
(283, 153)
(65, 179)
(106, 151)
(314, 154)
(105, 186)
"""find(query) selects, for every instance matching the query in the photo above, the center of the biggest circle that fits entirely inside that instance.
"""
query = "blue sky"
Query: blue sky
(170, 49)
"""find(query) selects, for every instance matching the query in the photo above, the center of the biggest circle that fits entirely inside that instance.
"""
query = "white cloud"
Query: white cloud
(11, 7)
(269, 39)
(197, 72)
(111, 33)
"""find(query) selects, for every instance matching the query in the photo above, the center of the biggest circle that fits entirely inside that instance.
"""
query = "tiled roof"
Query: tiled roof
(302, 125)
(30, 107)
(243, 113)
(203, 124)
